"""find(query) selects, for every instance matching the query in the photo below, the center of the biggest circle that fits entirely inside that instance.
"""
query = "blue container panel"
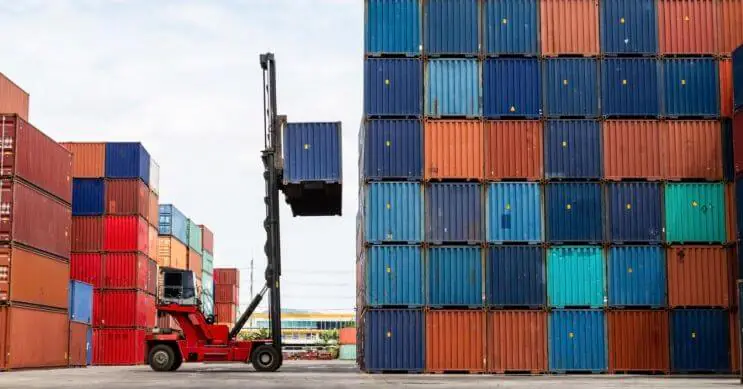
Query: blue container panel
(393, 340)
(577, 341)
(454, 276)
(575, 276)
(173, 222)
(514, 212)
(394, 212)
(127, 160)
(700, 341)
(571, 87)
(393, 149)
(453, 213)
(515, 276)
(738, 77)
(451, 27)
(629, 27)
(394, 275)
(573, 212)
(312, 152)
(691, 87)
(511, 27)
(80, 302)
(393, 27)
(453, 88)
(88, 196)
(511, 87)
(572, 149)
(637, 276)
(393, 87)
(635, 212)
(630, 87)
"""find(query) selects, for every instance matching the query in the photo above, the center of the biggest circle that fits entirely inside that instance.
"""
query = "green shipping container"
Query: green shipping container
(695, 213)
(194, 236)
(347, 352)
(207, 263)
(575, 277)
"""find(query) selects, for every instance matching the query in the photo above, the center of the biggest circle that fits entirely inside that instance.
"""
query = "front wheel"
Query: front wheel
(265, 358)
(162, 358)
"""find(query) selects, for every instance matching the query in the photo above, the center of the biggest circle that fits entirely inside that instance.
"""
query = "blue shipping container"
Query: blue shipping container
(393, 340)
(635, 212)
(393, 149)
(312, 152)
(637, 276)
(393, 87)
(629, 27)
(738, 77)
(80, 302)
(451, 27)
(630, 87)
(393, 27)
(514, 212)
(574, 212)
(394, 212)
(575, 276)
(571, 87)
(173, 222)
(127, 160)
(454, 276)
(691, 87)
(453, 213)
(511, 87)
(700, 341)
(88, 196)
(394, 276)
(577, 341)
(511, 27)
(572, 149)
(515, 276)
(453, 88)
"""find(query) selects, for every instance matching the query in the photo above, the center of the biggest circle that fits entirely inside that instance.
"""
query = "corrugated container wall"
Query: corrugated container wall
(454, 341)
(573, 212)
(695, 213)
(571, 87)
(631, 149)
(515, 276)
(453, 149)
(454, 276)
(207, 239)
(393, 87)
(511, 27)
(88, 196)
(514, 212)
(393, 27)
(699, 341)
(738, 77)
(394, 212)
(312, 152)
(393, 149)
(227, 276)
(153, 213)
(638, 341)
(127, 197)
(13, 99)
(33, 338)
(511, 87)
(194, 236)
(635, 212)
(726, 87)
(698, 276)
(87, 267)
(78, 346)
(575, 277)
(394, 276)
(513, 150)
(692, 149)
(454, 212)
(87, 234)
(207, 263)
(81, 302)
(125, 234)
(226, 294)
(392, 340)
(126, 271)
(30, 277)
(572, 149)
(517, 341)
(123, 308)
(451, 27)
(688, 26)
(127, 160)
(731, 35)
(119, 346)
(691, 87)
(195, 260)
(629, 27)
(577, 341)
(453, 88)
(173, 222)
(636, 276)
(154, 176)
(569, 27)
(630, 87)
(88, 159)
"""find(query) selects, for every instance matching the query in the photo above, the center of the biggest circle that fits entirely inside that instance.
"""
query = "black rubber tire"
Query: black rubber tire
(161, 358)
(178, 362)
(265, 358)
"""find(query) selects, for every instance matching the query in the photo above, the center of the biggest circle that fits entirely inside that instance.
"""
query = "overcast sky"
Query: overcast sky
(183, 78)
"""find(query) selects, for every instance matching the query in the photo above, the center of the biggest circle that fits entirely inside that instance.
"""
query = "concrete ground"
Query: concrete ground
(324, 374)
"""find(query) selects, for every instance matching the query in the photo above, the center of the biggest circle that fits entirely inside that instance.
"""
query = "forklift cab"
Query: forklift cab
(178, 287)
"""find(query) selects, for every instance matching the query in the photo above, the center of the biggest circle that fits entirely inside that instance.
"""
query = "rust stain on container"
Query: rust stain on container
(454, 149)
(691, 149)
(698, 276)
(13, 99)
(517, 341)
(171, 253)
(638, 341)
(127, 197)
(455, 341)
(87, 234)
(88, 159)
(631, 149)
(513, 150)
(687, 26)
(731, 20)
(33, 337)
(78, 345)
(569, 27)
(33, 278)
(726, 85)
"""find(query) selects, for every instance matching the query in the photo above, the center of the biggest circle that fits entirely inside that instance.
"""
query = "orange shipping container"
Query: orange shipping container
(698, 276)
(78, 344)
(517, 341)
(513, 149)
(687, 26)
(225, 313)
(455, 341)
(726, 85)
(454, 149)
(638, 341)
(171, 253)
(194, 262)
(153, 243)
(731, 25)
(631, 149)
(13, 99)
(569, 27)
(153, 210)
(33, 337)
(88, 159)
(87, 234)
(33, 278)
(347, 336)
(691, 149)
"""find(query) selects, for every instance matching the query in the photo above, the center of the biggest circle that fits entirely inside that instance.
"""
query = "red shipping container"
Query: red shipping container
(517, 341)
(127, 197)
(34, 219)
(78, 348)
(123, 308)
(455, 341)
(513, 150)
(691, 149)
(152, 242)
(569, 27)
(30, 277)
(87, 234)
(118, 346)
(126, 271)
(726, 86)
(87, 267)
(631, 149)
(207, 239)
(227, 276)
(225, 313)
(126, 233)
(153, 213)
(687, 26)
(229, 294)
(731, 33)
(194, 262)
(698, 276)
(88, 159)
(13, 99)
(33, 337)
(36, 158)
(638, 341)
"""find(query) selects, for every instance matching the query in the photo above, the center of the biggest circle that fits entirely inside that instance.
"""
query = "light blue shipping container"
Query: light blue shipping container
(514, 212)
(393, 87)
(173, 222)
(512, 87)
(629, 87)
(691, 87)
(347, 352)
(629, 27)
(80, 296)
(511, 27)
(207, 262)
(312, 152)
(394, 275)
(451, 26)
(454, 276)
(453, 88)
(394, 212)
(577, 341)
(393, 27)
(637, 276)
(575, 276)
(571, 87)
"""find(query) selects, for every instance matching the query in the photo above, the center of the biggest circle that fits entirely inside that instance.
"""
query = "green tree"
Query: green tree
(261, 333)
(329, 336)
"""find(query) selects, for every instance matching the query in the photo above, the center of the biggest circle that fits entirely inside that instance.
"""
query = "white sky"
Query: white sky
(182, 76)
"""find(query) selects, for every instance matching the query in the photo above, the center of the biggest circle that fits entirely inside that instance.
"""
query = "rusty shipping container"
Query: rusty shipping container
(726, 86)
(31, 277)
(513, 150)
(631, 149)
(127, 197)
(455, 341)
(194, 262)
(13, 99)
(517, 341)
(698, 276)
(78, 344)
(87, 234)
(88, 159)
(32, 337)
(731, 20)
(171, 253)
(569, 27)
(688, 26)
(453, 149)
(691, 149)
(153, 211)
(638, 341)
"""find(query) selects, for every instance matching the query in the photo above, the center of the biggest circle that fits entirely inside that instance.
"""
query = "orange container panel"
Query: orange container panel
(698, 276)
(87, 234)
(13, 99)
(517, 341)
(194, 262)
(688, 26)
(225, 313)
(731, 221)
(33, 337)
(569, 27)
(88, 159)
(513, 150)
(455, 341)
(127, 197)
(731, 25)
(154, 210)
(30, 277)
(454, 149)
(78, 346)
(171, 253)
(153, 243)
(726, 86)
(631, 149)
(347, 336)
(691, 149)
(638, 341)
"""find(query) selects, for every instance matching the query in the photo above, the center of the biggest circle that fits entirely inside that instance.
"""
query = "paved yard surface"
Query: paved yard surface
(335, 374)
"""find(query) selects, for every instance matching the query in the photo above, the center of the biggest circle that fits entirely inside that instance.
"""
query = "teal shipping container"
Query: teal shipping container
(347, 352)
(393, 212)
(695, 212)
(575, 277)
(194, 236)
(207, 262)
(514, 212)
(453, 88)
(394, 276)
(454, 276)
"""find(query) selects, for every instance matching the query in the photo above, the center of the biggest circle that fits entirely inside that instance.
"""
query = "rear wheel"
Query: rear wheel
(162, 358)
(266, 358)
(178, 362)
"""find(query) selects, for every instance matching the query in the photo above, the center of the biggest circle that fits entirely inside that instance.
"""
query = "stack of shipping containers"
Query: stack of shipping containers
(172, 248)
(207, 270)
(543, 186)
(226, 296)
(735, 99)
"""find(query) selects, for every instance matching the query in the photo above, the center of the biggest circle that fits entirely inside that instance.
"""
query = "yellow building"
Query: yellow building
(304, 327)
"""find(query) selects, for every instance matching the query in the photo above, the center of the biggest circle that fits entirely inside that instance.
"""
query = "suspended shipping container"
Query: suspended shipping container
(451, 27)
(629, 27)
(454, 276)
(393, 87)
(513, 150)
(517, 341)
(572, 149)
(631, 149)
(453, 88)
(510, 27)
(636, 276)
(126, 234)
(692, 149)
(571, 87)
(119, 346)
(575, 277)
(173, 222)
(28, 276)
(87, 234)
(392, 340)
(394, 212)
(699, 341)
(127, 160)
(126, 271)
(688, 26)
(393, 149)
(393, 27)
(312, 152)
(394, 276)
(13, 99)
(511, 87)
(577, 341)
(87, 267)
(573, 212)
(123, 308)
(171, 253)
(454, 149)
(691, 87)
(454, 341)
(80, 302)
(635, 212)
(88, 159)
(514, 212)
(629, 87)
(569, 27)
(698, 276)
(33, 337)
(638, 341)
(453, 212)
(88, 196)
(127, 197)
(515, 276)
(695, 213)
